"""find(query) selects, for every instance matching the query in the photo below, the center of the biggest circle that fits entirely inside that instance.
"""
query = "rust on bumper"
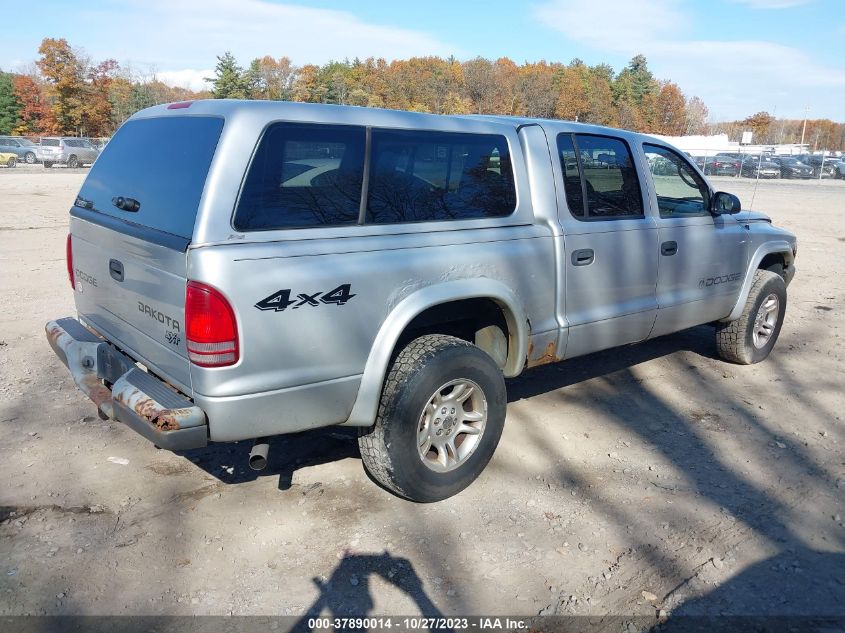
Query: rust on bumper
(146, 407)
(137, 398)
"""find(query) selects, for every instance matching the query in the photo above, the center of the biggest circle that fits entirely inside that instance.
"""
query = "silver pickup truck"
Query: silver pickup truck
(295, 266)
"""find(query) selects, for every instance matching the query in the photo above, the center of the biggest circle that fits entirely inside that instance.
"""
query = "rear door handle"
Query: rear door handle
(583, 257)
(116, 270)
(668, 248)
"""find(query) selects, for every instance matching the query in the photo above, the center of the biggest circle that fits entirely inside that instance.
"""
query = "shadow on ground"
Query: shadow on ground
(347, 593)
(288, 453)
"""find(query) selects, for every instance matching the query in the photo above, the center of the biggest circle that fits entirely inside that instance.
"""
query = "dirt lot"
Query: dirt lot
(649, 477)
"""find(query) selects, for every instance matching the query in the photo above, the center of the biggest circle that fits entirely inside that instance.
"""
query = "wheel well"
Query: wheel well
(480, 321)
(774, 262)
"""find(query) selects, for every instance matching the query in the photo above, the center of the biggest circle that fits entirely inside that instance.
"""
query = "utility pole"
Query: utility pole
(804, 127)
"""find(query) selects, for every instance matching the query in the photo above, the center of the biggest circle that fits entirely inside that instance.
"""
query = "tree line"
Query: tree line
(632, 99)
(67, 93)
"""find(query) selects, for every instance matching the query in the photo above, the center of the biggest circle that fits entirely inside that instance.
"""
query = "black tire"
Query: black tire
(12, 162)
(389, 449)
(29, 158)
(47, 165)
(735, 341)
(73, 162)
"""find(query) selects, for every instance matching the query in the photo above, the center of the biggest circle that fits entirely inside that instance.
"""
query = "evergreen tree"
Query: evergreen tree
(228, 81)
(10, 107)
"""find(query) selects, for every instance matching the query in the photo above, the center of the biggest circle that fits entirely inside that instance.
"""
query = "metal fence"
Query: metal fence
(767, 164)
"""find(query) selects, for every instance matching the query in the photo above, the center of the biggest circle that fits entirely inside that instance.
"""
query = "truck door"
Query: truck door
(610, 261)
(702, 257)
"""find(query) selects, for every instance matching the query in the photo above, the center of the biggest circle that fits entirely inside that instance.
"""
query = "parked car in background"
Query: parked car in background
(823, 166)
(99, 143)
(721, 165)
(8, 159)
(70, 151)
(25, 151)
(792, 167)
(759, 167)
(839, 168)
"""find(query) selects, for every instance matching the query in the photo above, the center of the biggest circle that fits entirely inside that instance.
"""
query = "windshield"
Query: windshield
(168, 191)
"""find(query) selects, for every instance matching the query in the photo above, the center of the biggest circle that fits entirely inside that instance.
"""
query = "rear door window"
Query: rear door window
(160, 162)
(610, 188)
(303, 175)
(419, 176)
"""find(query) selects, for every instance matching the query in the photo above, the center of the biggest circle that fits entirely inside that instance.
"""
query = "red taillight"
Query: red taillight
(69, 261)
(211, 332)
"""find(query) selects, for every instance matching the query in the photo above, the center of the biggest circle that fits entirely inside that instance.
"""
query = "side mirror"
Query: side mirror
(724, 203)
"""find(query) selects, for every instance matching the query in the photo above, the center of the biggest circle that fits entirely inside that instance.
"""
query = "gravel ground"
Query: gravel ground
(649, 477)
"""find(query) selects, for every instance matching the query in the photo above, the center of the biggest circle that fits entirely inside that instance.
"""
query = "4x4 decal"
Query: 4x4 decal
(281, 299)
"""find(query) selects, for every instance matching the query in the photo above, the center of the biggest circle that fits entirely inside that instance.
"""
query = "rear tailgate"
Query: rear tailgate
(130, 266)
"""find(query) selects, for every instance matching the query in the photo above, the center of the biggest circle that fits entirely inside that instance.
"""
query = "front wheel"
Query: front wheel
(73, 162)
(12, 162)
(752, 336)
(29, 158)
(440, 417)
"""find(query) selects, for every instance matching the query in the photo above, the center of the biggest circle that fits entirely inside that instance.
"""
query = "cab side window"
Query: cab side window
(303, 175)
(419, 176)
(603, 169)
(681, 192)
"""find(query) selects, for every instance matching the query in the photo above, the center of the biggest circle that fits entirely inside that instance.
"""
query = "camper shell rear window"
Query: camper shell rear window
(160, 162)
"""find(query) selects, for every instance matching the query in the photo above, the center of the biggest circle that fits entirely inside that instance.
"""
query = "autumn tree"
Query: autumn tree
(65, 75)
(275, 78)
(35, 116)
(307, 88)
(572, 102)
(696, 117)
(598, 91)
(96, 107)
(537, 93)
(670, 111)
(480, 83)
(759, 123)
(506, 73)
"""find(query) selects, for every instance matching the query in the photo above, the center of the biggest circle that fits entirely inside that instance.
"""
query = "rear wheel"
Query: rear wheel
(29, 158)
(439, 421)
(12, 162)
(751, 338)
(73, 162)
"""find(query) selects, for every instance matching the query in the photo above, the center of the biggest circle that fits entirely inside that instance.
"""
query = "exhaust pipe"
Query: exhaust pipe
(258, 454)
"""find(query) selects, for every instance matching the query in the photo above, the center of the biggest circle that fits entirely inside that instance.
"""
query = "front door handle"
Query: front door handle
(583, 257)
(668, 248)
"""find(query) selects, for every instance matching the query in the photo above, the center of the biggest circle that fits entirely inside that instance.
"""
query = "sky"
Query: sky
(740, 56)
